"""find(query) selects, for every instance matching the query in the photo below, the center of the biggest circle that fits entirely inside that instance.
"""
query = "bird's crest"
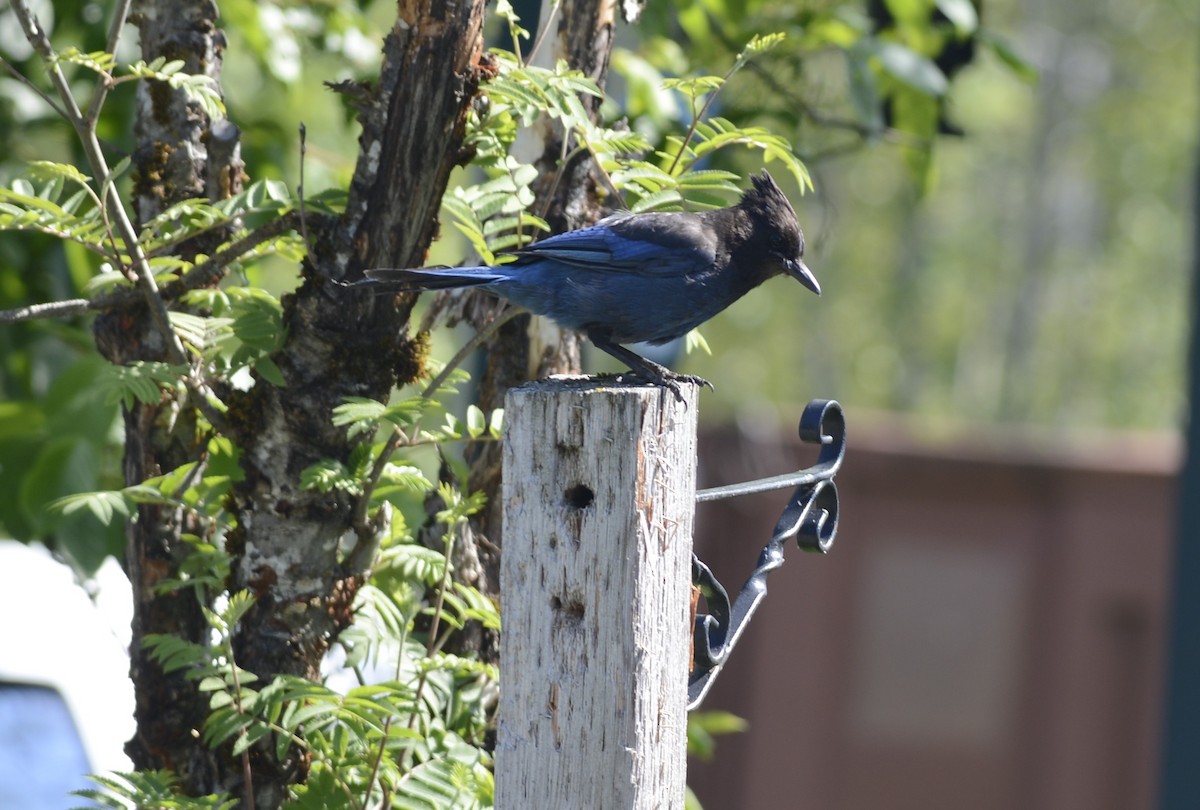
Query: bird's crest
(766, 194)
(766, 204)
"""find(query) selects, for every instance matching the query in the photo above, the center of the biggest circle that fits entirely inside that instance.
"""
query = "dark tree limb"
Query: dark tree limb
(292, 547)
(171, 164)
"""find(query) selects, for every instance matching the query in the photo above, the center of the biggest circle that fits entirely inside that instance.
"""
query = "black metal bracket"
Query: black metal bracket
(810, 516)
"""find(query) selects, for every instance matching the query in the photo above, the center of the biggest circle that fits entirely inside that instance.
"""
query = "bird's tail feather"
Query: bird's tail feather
(433, 278)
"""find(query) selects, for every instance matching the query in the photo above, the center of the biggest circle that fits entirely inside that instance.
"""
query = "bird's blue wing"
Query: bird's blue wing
(644, 243)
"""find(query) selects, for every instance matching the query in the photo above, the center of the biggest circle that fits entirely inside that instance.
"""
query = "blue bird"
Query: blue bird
(633, 278)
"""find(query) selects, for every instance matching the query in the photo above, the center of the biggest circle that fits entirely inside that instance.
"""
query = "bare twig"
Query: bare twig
(23, 79)
(300, 190)
(54, 309)
(120, 14)
(543, 27)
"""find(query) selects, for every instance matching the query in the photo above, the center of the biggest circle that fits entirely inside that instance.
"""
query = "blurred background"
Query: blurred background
(1005, 246)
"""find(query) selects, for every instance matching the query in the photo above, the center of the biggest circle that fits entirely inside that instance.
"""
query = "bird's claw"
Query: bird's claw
(671, 381)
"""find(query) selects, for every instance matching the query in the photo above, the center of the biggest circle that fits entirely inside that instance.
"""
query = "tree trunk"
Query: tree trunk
(339, 342)
(345, 343)
(179, 154)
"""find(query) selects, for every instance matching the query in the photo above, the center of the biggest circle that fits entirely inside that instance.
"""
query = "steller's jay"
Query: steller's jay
(641, 277)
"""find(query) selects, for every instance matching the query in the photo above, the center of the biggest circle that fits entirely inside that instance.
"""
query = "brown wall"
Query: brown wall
(986, 633)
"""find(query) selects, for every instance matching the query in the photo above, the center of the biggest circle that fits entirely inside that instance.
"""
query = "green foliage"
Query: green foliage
(413, 740)
(140, 381)
(62, 205)
(145, 789)
(888, 70)
(199, 89)
(493, 215)
(56, 444)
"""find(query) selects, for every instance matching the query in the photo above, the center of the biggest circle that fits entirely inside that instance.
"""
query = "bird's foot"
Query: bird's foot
(671, 381)
(644, 368)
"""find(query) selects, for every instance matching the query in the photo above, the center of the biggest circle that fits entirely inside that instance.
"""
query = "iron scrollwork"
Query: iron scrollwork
(811, 516)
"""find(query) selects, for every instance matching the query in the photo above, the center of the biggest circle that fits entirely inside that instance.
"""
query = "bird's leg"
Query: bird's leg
(643, 367)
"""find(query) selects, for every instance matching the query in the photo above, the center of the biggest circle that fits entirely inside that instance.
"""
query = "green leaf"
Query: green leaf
(223, 724)
(703, 727)
(98, 61)
(103, 505)
(358, 410)
(476, 423)
(695, 86)
(65, 465)
(660, 199)
(65, 171)
(328, 475)
(257, 318)
(414, 562)
(212, 684)
(910, 67)
(758, 45)
(252, 735)
(199, 89)
(406, 476)
(407, 411)
(961, 14)
(141, 381)
(173, 653)
(269, 371)
(239, 605)
(708, 179)
(694, 340)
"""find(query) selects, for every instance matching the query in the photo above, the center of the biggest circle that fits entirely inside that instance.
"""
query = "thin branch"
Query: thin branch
(54, 309)
(397, 438)
(85, 130)
(201, 275)
(21, 77)
(120, 14)
(240, 705)
(608, 181)
(477, 340)
(543, 27)
(300, 190)
(698, 117)
(215, 266)
(94, 247)
(437, 607)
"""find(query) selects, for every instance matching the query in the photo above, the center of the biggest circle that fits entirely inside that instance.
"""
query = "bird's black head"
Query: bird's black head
(775, 223)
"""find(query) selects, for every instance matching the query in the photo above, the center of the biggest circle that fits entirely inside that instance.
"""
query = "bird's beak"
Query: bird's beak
(799, 271)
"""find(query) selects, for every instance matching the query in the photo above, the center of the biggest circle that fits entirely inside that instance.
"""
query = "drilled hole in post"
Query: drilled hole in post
(572, 608)
(580, 496)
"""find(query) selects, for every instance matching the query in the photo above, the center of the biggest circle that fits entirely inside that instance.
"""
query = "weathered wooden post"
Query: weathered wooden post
(599, 493)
